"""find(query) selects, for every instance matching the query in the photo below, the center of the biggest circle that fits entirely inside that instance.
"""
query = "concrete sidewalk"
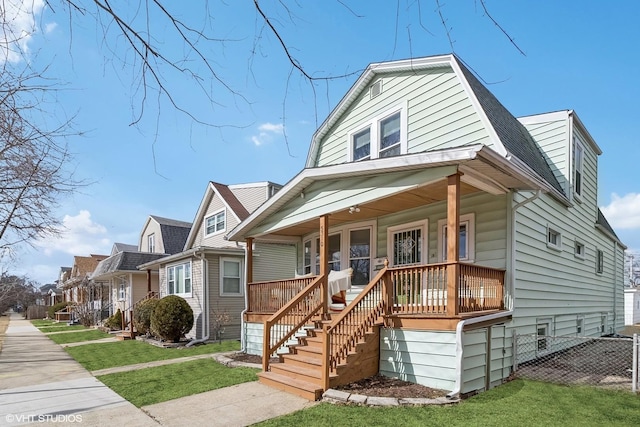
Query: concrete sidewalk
(39, 380)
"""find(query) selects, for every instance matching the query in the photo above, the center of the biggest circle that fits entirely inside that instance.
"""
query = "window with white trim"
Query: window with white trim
(151, 240)
(307, 257)
(578, 250)
(383, 136)
(122, 292)
(179, 279)
(599, 261)
(580, 326)
(467, 244)
(554, 239)
(231, 276)
(543, 332)
(215, 223)
(407, 243)
(578, 162)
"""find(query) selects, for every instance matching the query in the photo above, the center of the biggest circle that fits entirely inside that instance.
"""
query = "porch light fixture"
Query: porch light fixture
(353, 209)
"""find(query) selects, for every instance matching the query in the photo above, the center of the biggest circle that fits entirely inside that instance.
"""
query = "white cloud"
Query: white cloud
(50, 27)
(623, 212)
(79, 235)
(20, 25)
(267, 131)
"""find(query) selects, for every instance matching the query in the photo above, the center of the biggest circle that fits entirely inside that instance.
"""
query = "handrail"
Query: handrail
(291, 318)
(269, 297)
(357, 319)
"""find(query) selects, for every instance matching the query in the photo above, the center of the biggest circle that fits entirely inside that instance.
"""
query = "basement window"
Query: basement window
(554, 239)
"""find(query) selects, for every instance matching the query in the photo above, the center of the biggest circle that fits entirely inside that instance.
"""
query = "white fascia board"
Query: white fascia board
(190, 253)
(310, 175)
(585, 132)
(544, 117)
(611, 236)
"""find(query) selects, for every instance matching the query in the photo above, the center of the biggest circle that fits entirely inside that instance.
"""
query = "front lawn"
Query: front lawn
(44, 322)
(517, 403)
(86, 335)
(61, 328)
(159, 384)
(122, 353)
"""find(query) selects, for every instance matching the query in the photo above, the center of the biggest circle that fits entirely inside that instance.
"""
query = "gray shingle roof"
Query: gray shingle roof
(121, 247)
(174, 233)
(124, 261)
(171, 222)
(511, 132)
(602, 221)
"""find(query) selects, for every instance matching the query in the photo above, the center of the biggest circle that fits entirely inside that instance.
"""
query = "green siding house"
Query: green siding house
(414, 149)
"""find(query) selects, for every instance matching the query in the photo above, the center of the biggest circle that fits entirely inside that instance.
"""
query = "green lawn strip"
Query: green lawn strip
(86, 335)
(159, 384)
(122, 353)
(518, 403)
(45, 322)
(62, 328)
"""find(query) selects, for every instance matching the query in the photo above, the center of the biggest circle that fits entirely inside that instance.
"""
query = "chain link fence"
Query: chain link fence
(603, 362)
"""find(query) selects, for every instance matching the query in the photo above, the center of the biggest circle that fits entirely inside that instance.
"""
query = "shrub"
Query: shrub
(59, 306)
(172, 318)
(115, 321)
(142, 315)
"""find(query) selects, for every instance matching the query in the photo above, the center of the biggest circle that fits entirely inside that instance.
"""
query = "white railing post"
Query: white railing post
(634, 375)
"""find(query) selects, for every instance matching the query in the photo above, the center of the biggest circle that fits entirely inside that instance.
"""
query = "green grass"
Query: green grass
(121, 353)
(87, 335)
(61, 328)
(41, 322)
(159, 384)
(518, 403)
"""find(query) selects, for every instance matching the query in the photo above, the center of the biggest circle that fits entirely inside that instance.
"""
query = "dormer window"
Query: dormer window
(215, 223)
(384, 136)
(152, 243)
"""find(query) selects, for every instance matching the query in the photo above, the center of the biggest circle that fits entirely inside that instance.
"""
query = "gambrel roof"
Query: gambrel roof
(123, 262)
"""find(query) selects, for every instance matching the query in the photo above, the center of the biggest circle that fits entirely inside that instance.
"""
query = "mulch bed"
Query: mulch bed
(378, 385)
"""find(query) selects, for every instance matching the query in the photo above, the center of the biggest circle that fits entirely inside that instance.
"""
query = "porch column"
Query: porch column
(324, 260)
(148, 281)
(249, 242)
(453, 243)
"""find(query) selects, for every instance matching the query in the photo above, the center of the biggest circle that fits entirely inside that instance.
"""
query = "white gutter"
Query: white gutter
(511, 280)
(205, 303)
(243, 344)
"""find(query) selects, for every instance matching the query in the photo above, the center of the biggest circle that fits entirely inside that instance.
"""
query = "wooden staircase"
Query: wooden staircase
(300, 370)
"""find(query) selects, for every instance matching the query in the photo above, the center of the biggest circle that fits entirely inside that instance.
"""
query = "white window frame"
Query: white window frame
(184, 294)
(122, 291)
(215, 224)
(151, 243)
(580, 326)
(578, 169)
(599, 261)
(374, 133)
(470, 221)
(344, 232)
(541, 340)
(423, 225)
(240, 277)
(554, 243)
(579, 249)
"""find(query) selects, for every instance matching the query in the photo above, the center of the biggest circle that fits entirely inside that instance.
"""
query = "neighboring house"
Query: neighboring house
(417, 148)
(75, 285)
(632, 306)
(209, 273)
(160, 237)
(63, 275)
(50, 294)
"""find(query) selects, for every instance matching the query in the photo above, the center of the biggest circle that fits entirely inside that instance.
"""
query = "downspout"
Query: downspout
(243, 342)
(205, 304)
(511, 280)
(615, 284)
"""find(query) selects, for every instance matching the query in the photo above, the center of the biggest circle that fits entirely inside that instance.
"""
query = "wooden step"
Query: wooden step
(305, 350)
(301, 360)
(311, 375)
(298, 387)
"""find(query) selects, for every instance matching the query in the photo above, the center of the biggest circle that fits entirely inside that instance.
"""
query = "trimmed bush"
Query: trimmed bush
(59, 306)
(142, 315)
(115, 321)
(172, 318)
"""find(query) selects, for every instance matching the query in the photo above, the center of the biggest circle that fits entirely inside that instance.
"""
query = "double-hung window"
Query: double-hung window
(215, 223)
(179, 279)
(231, 276)
(466, 244)
(383, 136)
(152, 243)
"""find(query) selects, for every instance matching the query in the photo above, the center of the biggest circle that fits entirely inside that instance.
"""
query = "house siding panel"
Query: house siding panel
(274, 262)
(552, 137)
(250, 197)
(152, 228)
(439, 115)
(223, 304)
(216, 240)
(423, 357)
(253, 336)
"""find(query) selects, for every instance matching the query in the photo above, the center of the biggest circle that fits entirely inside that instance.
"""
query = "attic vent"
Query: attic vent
(375, 89)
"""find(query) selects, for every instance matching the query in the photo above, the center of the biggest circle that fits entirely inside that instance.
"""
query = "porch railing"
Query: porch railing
(481, 288)
(269, 297)
(350, 326)
(291, 318)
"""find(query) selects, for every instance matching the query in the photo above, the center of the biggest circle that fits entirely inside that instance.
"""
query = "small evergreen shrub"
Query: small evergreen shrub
(142, 315)
(115, 321)
(59, 306)
(172, 318)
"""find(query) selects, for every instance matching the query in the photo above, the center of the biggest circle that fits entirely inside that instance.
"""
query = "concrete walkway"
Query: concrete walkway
(40, 381)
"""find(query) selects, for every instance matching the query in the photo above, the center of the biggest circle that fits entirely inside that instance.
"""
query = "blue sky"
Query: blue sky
(580, 55)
